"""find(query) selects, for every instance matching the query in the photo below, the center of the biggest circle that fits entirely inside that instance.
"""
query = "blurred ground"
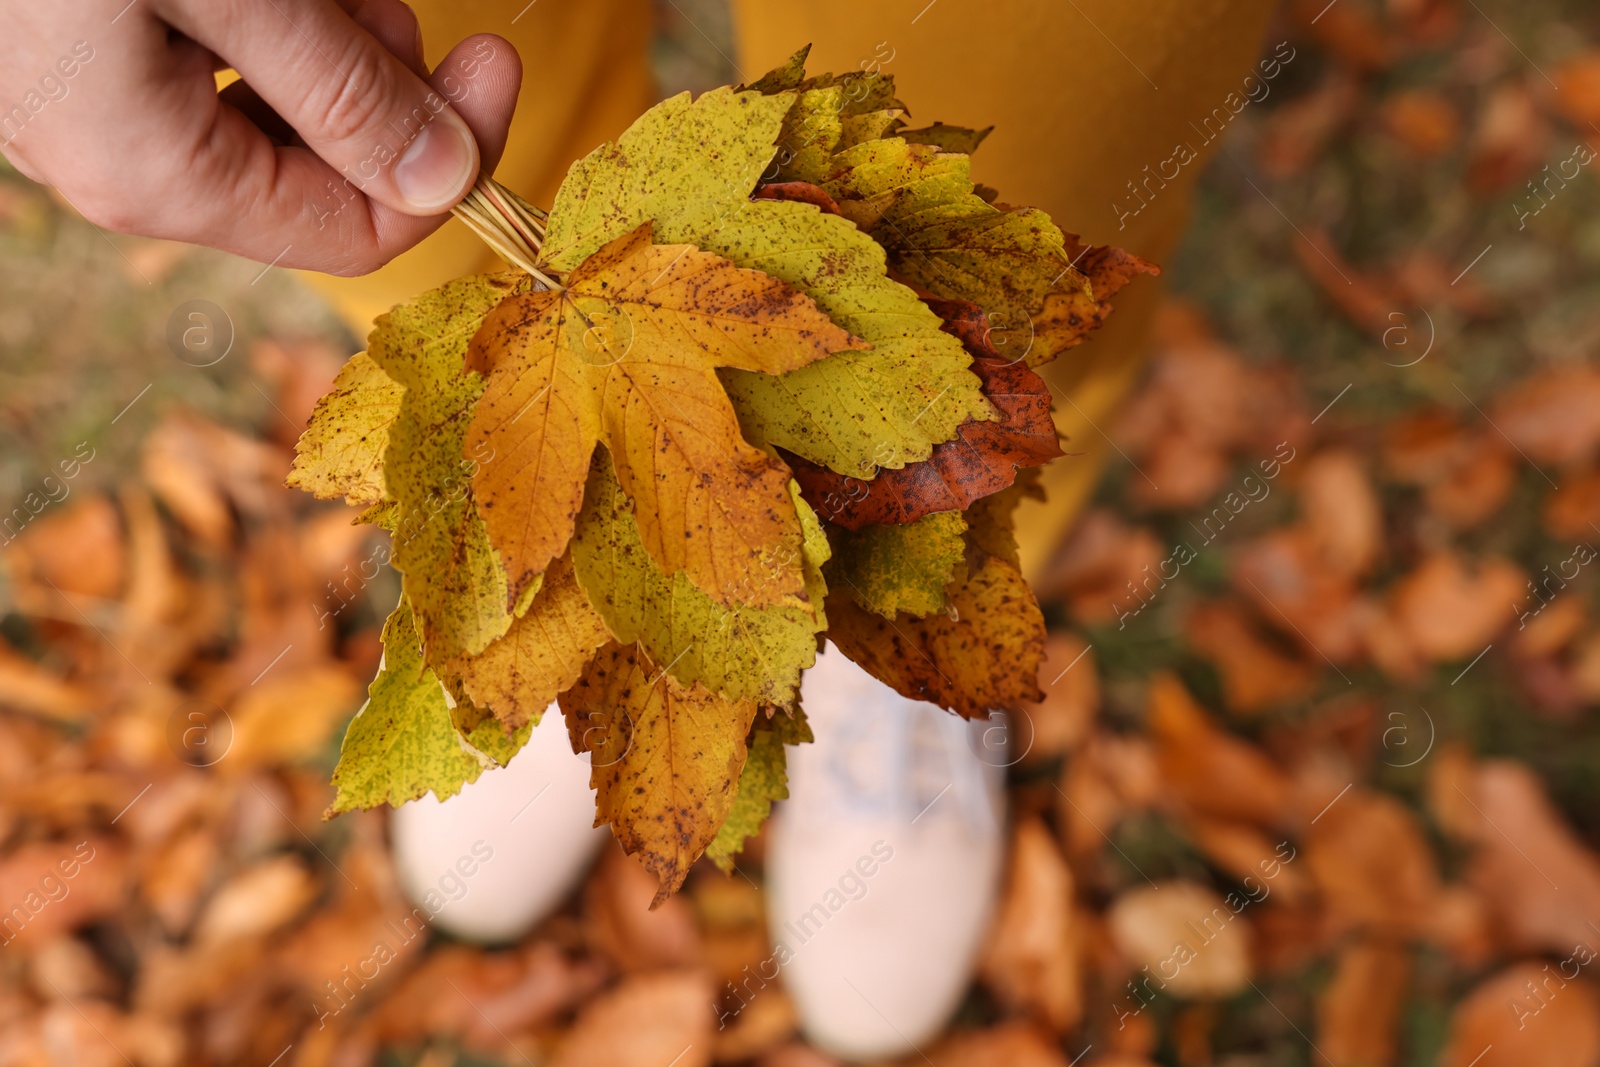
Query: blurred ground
(1328, 649)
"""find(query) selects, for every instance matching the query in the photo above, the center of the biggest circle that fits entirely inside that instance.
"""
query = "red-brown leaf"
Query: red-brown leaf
(982, 459)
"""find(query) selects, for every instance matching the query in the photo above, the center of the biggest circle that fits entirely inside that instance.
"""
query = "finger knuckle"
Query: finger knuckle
(111, 209)
(355, 100)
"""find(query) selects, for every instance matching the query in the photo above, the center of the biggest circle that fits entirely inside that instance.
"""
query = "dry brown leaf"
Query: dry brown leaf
(1255, 675)
(25, 686)
(1206, 769)
(1031, 961)
(620, 924)
(1573, 510)
(1351, 32)
(1541, 882)
(50, 888)
(1297, 132)
(1578, 88)
(1071, 687)
(797, 1055)
(1450, 610)
(1088, 807)
(1013, 1044)
(299, 372)
(1558, 1024)
(176, 877)
(69, 967)
(1476, 486)
(1586, 668)
(645, 1021)
(1244, 851)
(764, 1024)
(1552, 416)
(1423, 120)
(1342, 512)
(257, 901)
(77, 548)
(1358, 1012)
(1551, 630)
(1296, 594)
(1194, 942)
(499, 993)
(184, 461)
(1366, 301)
(1093, 569)
(1372, 863)
(1509, 142)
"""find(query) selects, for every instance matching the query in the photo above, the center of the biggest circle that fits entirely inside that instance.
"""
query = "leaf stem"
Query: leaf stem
(508, 224)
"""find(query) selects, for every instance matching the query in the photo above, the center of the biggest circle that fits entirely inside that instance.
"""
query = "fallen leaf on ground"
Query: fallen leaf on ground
(1359, 1011)
(1195, 942)
(1522, 1015)
(1255, 675)
(1071, 685)
(1372, 864)
(1450, 609)
(1031, 961)
(645, 1021)
(1207, 769)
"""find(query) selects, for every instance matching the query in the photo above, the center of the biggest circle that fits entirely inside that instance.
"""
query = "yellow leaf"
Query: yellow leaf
(452, 577)
(543, 652)
(341, 451)
(664, 758)
(627, 355)
(739, 652)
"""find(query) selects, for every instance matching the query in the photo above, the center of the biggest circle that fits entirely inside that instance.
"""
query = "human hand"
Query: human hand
(336, 151)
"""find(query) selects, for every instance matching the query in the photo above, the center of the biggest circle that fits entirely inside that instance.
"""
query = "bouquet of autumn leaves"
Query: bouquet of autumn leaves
(767, 375)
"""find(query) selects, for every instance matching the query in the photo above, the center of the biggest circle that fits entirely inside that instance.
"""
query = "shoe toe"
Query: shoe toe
(884, 864)
(495, 859)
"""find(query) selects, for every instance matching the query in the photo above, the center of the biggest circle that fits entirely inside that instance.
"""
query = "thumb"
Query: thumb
(352, 101)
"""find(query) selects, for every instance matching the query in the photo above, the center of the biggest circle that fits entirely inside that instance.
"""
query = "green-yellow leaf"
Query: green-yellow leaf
(782, 78)
(905, 568)
(665, 758)
(919, 203)
(854, 411)
(765, 779)
(340, 454)
(403, 742)
(486, 734)
(685, 166)
(453, 577)
(948, 138)
(738, 652)
(810, 136)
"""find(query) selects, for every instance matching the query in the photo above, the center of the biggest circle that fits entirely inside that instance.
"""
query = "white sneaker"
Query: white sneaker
(492, 861)
(884, 863)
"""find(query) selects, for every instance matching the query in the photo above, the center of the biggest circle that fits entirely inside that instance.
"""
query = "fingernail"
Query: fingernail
(438, 166)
